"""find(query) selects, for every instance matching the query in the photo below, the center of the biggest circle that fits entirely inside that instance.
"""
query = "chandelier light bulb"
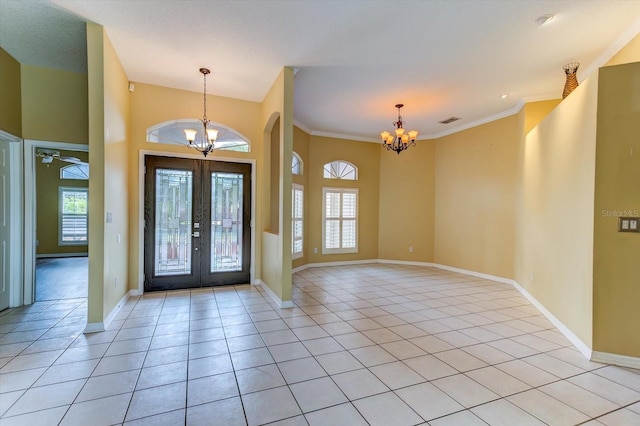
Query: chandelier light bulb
(212, 135)
(190, 134)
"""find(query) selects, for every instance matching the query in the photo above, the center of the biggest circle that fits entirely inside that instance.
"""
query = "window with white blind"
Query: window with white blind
(297, 225)
(74, 206)
(340, 220)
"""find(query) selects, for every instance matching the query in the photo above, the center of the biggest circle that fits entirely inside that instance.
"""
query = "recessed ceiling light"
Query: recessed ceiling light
(544, 19)
(504, 96)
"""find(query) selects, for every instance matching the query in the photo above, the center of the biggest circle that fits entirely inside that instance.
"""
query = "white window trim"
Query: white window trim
(61, 189)
(300, 254)
(326, 250)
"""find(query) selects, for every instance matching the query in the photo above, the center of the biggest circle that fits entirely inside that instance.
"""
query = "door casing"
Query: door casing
(29, 245)
(11, 228)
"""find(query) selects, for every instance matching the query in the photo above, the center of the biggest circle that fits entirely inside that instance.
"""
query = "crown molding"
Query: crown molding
(541, 98)
(301, 126)
(511, 111)
(343, 136)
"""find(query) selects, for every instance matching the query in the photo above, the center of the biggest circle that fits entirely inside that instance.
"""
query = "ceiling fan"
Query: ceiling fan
(48, 155)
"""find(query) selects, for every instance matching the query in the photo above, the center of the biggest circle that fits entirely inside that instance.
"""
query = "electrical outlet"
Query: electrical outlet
(315, 250)
(410, 249)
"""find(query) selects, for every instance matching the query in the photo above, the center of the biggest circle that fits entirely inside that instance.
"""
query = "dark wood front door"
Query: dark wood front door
(197, 223)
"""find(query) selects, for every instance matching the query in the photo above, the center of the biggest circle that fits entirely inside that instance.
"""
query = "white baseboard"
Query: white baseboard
(621, 360)
(116, 309)
(408, 263)
(96, 327)
(575, 340)
(341, 263)
(53, 255)
(298, 269)
(283, 304)
(474, 274)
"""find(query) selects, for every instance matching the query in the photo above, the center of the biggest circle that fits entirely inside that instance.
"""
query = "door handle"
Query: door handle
(196, 234)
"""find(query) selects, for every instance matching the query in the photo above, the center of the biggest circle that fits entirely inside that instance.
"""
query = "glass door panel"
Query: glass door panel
(226, 222)
(173, 203)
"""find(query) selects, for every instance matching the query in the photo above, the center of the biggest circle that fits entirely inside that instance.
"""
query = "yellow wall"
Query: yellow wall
(54, 105)
(301, 147)
(109, 119)
(151, 105)
(274, 179)
(554, 246)
(475, 188)
(407, 203)
(616, 268)
(48, 183)
(535, 112)
(96, 107)
(629, 53)
(366, 157)
(275, 255)
(10, 98)
(116, 157)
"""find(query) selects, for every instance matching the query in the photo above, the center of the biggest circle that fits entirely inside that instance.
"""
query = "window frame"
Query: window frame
(333, 167)
(69, 167)
(297, 255)
(61, 215)
(341, 191)
(295, 157)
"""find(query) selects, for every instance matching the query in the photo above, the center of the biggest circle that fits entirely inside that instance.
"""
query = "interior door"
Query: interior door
(197, 218)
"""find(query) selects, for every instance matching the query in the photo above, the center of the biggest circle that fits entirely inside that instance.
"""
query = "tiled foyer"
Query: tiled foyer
(368, 344)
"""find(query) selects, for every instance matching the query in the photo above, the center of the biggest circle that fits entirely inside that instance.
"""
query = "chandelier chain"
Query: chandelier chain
(204, 96)
(204, 141)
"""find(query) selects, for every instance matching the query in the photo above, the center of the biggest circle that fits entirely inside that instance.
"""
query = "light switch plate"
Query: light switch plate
(628, 224)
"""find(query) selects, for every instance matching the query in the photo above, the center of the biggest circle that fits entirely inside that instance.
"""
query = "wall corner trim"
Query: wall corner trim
(282, 304)
(620, 360)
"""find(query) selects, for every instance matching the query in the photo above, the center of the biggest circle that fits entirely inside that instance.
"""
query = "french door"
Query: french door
(197, 223)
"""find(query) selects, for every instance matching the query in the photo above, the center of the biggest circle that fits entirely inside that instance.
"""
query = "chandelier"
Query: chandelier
(205, 141)
(399, 140)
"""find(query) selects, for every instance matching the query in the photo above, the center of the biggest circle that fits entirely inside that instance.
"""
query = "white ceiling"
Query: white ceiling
(356, 58)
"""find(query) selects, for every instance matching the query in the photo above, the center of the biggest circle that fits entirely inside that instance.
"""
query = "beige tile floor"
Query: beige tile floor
(369, 344)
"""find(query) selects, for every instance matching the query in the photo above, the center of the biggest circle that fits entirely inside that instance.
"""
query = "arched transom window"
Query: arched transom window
(172, 132)
(340, 170)
(75, 171)
(296, 164)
